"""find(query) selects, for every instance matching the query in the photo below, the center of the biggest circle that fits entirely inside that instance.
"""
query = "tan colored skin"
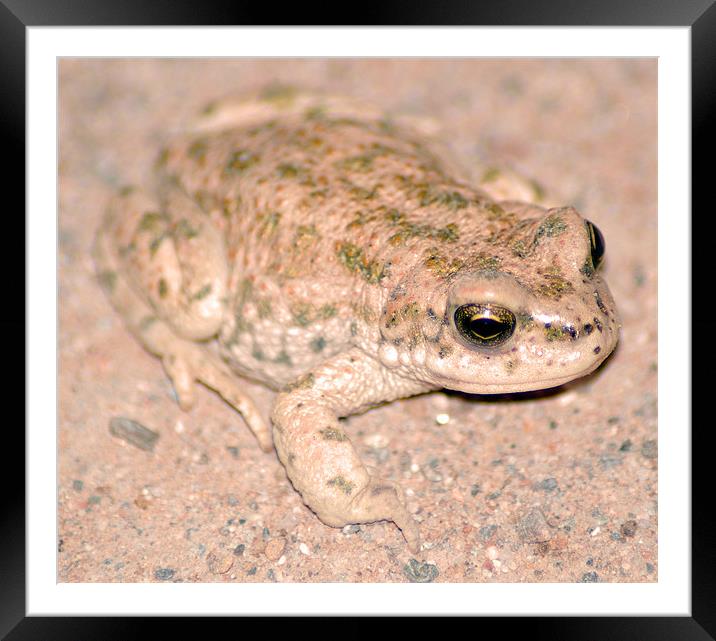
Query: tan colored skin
(323, 252)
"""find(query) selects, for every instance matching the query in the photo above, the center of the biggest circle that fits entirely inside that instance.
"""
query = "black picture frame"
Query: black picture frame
(700, 15)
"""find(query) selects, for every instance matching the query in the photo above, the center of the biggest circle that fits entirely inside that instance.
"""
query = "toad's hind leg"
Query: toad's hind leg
(131, 282)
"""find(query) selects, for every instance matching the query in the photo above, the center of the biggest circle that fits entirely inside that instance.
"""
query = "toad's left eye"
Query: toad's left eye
(484, 325)
(596, 244)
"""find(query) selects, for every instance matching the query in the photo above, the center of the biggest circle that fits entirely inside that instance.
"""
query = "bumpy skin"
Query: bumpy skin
(313, 245)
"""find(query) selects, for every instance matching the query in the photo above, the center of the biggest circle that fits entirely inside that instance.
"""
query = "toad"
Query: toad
(311, 244)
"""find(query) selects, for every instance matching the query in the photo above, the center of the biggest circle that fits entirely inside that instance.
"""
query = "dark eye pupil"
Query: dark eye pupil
(485, 325)
(486, 328)
(596, 241)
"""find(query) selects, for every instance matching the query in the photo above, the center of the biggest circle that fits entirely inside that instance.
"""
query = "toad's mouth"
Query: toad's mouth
(507, 387)
(510, 388)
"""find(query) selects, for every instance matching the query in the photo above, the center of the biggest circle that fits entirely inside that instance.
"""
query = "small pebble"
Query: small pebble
(629, 528)
(133, 432)
(533, 528)
(568, 399)
(163, 574)
(420, 572)
(274, 549)
(219, 562)
(590, 577)
(609, 460)
(442, 419)
(304, 549)
(649, 449)
(377, 441)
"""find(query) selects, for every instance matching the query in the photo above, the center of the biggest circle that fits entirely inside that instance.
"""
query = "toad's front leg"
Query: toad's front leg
(319, 457)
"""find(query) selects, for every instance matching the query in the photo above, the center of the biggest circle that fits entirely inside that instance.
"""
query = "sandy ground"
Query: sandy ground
(559, 486)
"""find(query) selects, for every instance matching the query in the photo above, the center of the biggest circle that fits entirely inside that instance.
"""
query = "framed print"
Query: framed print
(339, 310)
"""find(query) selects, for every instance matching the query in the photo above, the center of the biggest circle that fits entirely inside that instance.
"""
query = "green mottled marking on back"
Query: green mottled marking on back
(439, 264)
(283, 359)
(354, 259)
(157, 241)
(197, 149)
(263, 307)
(553, 225)
(241, 160)
(183, 228)
(269, 222)
(342, 484)
(202, 293)
(289, 170)
(318, 344)
(108, 279)
(305, 237)
(150, 220)
(555, 285)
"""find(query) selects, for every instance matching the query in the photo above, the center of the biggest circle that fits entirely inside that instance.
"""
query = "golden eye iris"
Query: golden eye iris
(596, 242)
(486, 325)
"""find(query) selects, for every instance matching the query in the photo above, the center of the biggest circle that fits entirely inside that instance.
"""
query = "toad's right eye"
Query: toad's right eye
(596, 244)
(486, 325)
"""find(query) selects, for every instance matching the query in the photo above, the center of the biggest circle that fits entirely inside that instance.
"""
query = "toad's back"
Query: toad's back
(314, 209)
(286, 192)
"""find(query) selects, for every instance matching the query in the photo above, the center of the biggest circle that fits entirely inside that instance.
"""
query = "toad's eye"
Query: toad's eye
(596, 243)
(485, 325)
